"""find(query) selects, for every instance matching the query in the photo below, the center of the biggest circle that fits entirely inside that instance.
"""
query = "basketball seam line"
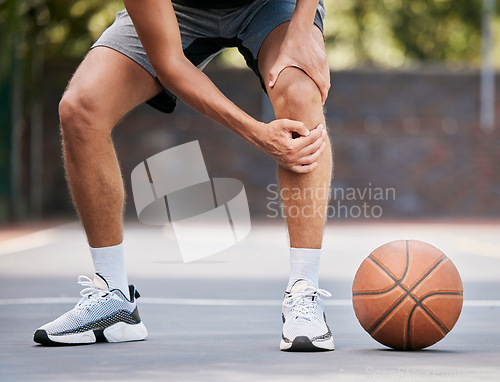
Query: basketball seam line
(387, 271)
(408, 327)
(408, 293)
(457, 293)
(397, 282)
(435, 319)
(419, 302)
(429, 271)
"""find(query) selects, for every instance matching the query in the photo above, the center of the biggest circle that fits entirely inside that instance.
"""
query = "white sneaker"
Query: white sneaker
(100, 316)
(304, 321)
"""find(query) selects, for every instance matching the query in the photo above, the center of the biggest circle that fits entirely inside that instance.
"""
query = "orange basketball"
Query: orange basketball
(407, 294)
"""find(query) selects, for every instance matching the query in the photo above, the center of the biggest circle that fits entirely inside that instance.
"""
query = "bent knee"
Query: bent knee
(79, 116)
(295, 92)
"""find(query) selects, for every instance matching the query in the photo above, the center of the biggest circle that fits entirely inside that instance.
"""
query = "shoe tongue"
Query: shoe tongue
(100, 283)
(299, 286)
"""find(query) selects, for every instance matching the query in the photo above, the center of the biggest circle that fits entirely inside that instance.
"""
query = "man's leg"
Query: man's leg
(104, 88)
(296, 96)
(305, 198)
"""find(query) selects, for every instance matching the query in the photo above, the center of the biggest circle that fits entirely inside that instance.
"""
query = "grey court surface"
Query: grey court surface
(218, 319)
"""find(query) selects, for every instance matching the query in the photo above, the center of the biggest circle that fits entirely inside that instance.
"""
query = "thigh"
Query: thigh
(271, 48)
(264, 30)
(108, 84)
(199, 30)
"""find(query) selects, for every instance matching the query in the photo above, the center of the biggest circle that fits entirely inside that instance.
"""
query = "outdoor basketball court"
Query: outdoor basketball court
(218, 319)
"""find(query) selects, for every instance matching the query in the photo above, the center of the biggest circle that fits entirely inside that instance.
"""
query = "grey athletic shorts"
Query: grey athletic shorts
(205, 33)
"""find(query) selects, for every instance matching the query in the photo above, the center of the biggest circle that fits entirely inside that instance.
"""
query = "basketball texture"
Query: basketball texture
(407, 294)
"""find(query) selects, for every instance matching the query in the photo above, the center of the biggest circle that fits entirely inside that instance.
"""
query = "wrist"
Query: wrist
(304, 14)
(252, 131)
(300, 25)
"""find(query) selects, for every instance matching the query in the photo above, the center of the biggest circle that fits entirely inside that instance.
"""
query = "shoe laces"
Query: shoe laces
(90, 294)
(303, 304)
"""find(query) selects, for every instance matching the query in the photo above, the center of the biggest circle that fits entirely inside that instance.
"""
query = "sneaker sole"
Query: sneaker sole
(304, 344)
(119, 332)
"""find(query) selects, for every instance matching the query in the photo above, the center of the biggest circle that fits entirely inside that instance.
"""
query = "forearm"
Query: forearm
(157, 27)
(303, 16)
(199, 92)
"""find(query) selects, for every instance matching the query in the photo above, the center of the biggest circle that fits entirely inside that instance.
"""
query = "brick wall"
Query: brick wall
(407, 144)
(417, 133)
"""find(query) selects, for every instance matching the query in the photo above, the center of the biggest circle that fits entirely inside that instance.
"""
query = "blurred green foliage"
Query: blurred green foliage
(395, 33)
(65, 28)
(387, 33)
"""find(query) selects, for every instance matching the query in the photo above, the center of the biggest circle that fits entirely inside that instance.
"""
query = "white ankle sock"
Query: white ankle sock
(304, 265)
(109, 262)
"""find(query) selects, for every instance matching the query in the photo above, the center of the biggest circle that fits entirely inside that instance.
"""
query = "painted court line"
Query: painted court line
(210, 302)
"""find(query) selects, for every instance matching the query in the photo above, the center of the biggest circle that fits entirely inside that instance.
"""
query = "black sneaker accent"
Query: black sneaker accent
(304, 344)
(99, 335)
(42, 338)
(133, 293)
(135, 315)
